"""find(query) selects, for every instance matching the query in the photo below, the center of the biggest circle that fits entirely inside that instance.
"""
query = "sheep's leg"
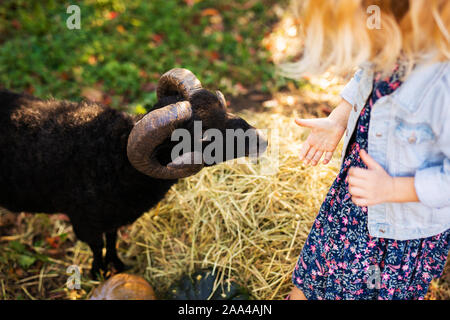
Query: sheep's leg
(96, 244)
(93, 238)
(111, 251)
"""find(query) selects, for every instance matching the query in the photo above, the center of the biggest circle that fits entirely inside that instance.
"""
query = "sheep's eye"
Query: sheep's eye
(221, 98)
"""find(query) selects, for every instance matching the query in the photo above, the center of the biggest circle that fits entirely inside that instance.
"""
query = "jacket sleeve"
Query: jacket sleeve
(351, 89)
(433, 184)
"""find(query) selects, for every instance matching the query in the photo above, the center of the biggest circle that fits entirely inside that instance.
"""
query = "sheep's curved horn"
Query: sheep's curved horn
(178, 80)
(150, 132)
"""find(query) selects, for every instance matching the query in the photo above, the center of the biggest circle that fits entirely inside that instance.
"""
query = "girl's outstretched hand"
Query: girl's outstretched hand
(323, 139)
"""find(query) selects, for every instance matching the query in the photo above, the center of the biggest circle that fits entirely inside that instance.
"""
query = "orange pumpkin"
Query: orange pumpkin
(124, 286)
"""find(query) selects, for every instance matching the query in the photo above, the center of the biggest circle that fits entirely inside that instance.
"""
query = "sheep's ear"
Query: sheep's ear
(221, 98)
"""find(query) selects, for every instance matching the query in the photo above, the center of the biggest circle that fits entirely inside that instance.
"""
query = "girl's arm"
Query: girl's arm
(404, 190)
(341, 113)
(374, 185)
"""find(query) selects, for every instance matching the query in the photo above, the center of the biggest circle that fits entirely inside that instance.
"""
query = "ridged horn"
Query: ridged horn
(181, 81)
(150, 132)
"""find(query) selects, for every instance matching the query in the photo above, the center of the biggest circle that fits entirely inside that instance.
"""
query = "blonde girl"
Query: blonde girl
(383, 231)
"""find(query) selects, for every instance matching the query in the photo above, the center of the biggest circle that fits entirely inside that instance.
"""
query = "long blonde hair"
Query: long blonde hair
(336, 33)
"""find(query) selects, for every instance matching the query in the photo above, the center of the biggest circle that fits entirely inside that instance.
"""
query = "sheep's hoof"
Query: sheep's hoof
(117, 264)
(110, 267)
(97, 273)
(123, 267)
(98, 270)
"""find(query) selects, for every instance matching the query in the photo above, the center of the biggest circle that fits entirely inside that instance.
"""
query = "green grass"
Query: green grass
(124, 46)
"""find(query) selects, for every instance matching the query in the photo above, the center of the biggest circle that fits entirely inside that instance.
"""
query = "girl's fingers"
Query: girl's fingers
(356, 181)
(304, 150)
(360, 202)
(328, 156)
(369, 161)
(357, 172)
(316, 158)
(307, 123)
(356, 191)
(310, 155)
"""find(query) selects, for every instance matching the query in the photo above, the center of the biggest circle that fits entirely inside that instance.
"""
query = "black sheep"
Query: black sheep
(102, 167)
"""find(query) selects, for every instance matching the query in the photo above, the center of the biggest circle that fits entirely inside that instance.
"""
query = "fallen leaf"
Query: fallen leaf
(18, 272)
(64, 76)
(112, 15)
(16, 24)
(53, 242)
(157, 39)
(92, 60)
(143, 74)
(210, 12)
(120, 28)
(212, 55)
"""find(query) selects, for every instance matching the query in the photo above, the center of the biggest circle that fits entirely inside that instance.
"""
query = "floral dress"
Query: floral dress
(340, 260)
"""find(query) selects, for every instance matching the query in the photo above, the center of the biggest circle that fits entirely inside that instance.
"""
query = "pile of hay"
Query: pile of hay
(245, 221)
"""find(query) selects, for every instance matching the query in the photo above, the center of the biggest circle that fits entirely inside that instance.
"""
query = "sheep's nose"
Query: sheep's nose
(262, 142)
(255, 150)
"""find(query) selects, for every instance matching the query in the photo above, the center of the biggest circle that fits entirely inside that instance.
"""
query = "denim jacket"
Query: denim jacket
(409, 136)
